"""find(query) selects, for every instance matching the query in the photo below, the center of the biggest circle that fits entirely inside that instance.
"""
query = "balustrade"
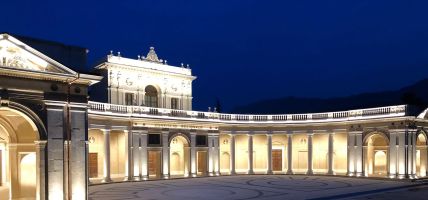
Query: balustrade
(342, 115)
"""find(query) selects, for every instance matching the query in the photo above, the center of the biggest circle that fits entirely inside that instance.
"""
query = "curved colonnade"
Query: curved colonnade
(140, 143)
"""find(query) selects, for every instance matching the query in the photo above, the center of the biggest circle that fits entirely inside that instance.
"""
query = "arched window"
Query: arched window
(151, 96)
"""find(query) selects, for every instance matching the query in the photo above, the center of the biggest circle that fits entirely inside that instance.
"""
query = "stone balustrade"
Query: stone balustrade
(369, 113)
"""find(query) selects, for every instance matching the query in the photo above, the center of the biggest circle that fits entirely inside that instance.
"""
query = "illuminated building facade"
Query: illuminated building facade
(142, 126)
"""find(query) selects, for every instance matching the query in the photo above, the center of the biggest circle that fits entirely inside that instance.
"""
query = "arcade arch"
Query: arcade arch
(19, 156)
(376, 154)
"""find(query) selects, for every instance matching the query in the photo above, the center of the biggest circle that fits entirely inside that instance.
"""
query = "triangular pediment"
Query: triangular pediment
(14, 54)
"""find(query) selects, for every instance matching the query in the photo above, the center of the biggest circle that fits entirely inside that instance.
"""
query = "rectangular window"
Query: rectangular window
(201, 140)
(129, 99)
(154, 139)
(174, 103)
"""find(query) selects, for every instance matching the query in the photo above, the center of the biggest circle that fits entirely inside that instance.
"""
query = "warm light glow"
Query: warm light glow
(28, 175)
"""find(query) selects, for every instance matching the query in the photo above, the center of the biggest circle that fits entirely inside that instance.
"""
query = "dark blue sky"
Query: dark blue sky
(244, 51)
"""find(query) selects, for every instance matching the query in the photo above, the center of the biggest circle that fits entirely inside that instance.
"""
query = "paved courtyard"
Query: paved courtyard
(260, 187)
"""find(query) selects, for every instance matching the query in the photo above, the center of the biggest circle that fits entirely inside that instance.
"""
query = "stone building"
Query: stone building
(140, 126)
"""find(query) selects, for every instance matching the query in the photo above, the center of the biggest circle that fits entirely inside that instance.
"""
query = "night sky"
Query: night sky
(244, 51)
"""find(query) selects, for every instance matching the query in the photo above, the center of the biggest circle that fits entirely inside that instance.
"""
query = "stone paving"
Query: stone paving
(253, 187)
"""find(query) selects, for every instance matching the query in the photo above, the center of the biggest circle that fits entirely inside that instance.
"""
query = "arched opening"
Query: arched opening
(18, 157)
(179, 156)
(151, 97)
(27, 174)
(421, 155)
(376, 155)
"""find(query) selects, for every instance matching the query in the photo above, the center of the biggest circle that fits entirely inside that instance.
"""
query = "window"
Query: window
(201, 140)
(174, 103)
(129, 99)
(151, 97)
(154, 139)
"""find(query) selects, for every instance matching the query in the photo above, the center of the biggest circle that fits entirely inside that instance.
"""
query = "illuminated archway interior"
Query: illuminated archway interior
(179, 156)
(376, 155)
(421, 155)
(18, 170)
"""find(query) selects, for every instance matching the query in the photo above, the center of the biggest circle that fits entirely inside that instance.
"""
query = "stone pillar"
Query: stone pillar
(331, 153)
(13, 171)
(40, 169)
(55, 151)
(359, 153)
(269, 154)
(144, 159)
(193, 153)
(136, 137)
(392, 171)
(310, 152)
(106, 161)
(401, 153)
(210, 155)
(217, 155)
(250, 154)
(165, 154)
(290, 153)
(411, 153)
(351, 154)
(130, 149)
(232, 153)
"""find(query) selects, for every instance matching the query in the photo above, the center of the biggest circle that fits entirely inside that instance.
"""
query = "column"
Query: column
(351, 154)
(330, 153)
(217, 155)
(144, 165)
(55, 151)
(40, 169)
(250, 154)
(136, 137)
(165, 153)
(392, 171)
(13, 171)
(411, 153)
(401, 153)
(290, 153)
(130, 149)
(310, 171)
(232, 153)
(193, 153)
(106, 161)
(269, 150)
(359, 153)
(210, 155)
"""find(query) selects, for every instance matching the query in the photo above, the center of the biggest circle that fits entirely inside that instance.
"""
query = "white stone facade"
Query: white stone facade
(125, 76)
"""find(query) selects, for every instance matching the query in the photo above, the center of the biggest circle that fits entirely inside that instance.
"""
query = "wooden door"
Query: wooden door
(93, 165)
(154, 163)
(277, 160)
(202, 161)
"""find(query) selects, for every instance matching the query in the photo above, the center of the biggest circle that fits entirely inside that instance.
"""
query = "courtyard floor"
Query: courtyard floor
(261, 187)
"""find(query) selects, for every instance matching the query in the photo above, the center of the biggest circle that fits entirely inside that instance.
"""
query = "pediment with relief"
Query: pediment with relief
(16, 55)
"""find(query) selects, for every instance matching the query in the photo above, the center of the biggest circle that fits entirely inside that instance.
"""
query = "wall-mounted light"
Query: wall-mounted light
(91, 140)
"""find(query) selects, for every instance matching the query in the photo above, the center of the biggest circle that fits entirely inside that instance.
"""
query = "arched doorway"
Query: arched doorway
(421, 155)
(179, 156)
(19, 178)
(376, 155)
(151, 97)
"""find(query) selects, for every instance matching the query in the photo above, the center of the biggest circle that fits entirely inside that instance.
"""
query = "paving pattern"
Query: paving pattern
(248, 187)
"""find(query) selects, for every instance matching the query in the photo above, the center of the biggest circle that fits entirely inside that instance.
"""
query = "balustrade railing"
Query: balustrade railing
(400, 110)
